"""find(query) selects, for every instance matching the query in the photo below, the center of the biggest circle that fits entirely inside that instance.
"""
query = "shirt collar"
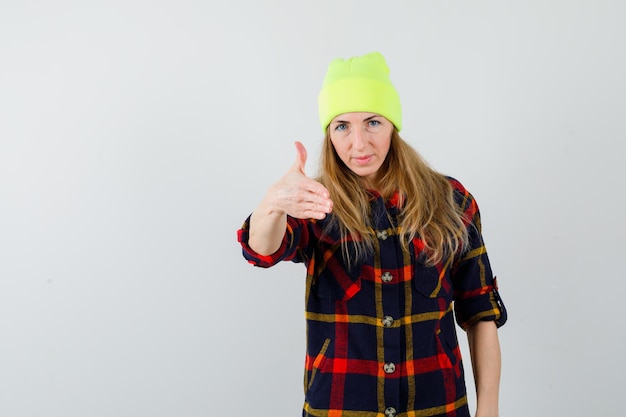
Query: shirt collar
(393, 201)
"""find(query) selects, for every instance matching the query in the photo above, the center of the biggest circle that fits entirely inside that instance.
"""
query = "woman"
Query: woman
(391, 248)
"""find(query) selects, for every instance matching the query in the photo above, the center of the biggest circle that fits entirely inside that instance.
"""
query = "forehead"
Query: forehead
(354, 117)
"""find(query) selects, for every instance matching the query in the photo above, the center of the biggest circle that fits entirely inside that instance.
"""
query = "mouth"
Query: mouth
(363, 160)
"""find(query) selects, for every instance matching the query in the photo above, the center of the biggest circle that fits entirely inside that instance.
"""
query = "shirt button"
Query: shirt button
(387, 321)
(383, 235)
(390, 412)
(387, 277)
(389, 367)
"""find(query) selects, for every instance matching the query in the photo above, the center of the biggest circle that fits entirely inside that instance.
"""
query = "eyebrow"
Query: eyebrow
(367, 119)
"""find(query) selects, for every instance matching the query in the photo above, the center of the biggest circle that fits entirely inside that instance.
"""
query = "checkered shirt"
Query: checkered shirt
(381, 338)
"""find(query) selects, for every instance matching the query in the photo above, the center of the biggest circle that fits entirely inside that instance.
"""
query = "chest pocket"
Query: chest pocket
(432, 281)
(334, 280)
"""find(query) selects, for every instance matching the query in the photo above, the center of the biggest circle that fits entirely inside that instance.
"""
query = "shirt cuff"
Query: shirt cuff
(254, 258)
(487, 306)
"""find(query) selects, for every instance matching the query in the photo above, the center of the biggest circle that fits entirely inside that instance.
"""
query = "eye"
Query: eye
(341, 127)
(373, 123)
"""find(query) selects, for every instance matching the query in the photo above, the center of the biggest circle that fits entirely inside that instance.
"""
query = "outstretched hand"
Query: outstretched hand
(298, 195)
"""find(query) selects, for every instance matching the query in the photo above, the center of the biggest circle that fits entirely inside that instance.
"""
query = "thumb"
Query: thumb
(301, 158)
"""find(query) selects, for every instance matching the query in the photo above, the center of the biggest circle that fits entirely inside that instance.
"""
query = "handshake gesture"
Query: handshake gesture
(295, 195)
(298, 195)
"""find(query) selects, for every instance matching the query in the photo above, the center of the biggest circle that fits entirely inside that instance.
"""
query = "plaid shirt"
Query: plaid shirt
(381, 339)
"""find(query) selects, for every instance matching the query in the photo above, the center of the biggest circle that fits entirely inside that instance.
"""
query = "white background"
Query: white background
(136, 136)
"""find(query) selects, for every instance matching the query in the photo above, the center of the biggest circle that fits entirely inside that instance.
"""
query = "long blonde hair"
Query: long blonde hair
(427, 206)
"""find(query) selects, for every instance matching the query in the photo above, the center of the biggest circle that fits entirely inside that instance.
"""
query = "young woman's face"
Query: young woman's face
(362, 142)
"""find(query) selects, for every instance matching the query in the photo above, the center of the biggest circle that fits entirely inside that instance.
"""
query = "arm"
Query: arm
(267, 228)
(486, 362)
(296, 195)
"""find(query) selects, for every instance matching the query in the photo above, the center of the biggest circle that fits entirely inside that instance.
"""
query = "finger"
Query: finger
(304, 204)
(301, 157)
(316, 202)
(312, 202)
(313, 213)
(316, 191)
(317, 215)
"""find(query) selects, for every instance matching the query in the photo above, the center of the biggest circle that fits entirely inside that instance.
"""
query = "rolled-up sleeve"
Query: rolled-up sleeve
(475, 288)
(296, 237)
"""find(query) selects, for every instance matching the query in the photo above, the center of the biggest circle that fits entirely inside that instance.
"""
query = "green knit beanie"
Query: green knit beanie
(359, 84)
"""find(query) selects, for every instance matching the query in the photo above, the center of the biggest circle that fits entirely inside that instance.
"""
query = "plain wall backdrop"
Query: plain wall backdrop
(136, 136)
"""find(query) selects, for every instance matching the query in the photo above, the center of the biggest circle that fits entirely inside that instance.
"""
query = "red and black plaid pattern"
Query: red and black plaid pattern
(381, 338)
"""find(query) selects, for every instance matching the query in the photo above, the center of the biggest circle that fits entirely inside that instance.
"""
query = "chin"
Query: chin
(365, 171)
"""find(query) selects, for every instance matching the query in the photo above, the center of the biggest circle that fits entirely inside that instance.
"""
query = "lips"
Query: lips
(363, 160)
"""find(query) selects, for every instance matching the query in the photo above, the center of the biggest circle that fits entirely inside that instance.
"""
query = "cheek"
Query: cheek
(388, 142)
(338, 148)
(387, 147)
(383, 144)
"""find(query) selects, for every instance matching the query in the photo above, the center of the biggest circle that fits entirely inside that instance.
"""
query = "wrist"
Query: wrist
(269, 207)
(487, 410)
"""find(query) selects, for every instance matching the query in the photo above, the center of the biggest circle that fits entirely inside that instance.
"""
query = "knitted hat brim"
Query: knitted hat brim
(359, 95)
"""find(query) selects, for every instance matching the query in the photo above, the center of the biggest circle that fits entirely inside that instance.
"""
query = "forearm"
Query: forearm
(267, 228)
(486, 363)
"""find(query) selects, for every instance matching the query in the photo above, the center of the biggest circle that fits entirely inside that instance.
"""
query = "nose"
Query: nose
(358, 139)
